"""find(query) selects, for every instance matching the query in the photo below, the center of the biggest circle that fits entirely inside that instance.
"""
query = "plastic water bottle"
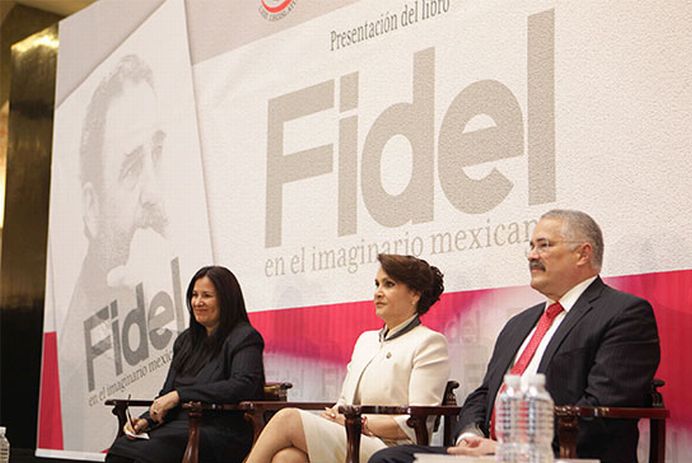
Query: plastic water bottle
(507, 424)
(4, 447)
(540, 422)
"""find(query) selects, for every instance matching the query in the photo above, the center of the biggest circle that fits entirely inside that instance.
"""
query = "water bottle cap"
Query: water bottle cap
(537, 379)
(2, 430)
(512, 380)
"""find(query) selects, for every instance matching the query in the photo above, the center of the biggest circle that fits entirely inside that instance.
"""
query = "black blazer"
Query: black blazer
(234, 375)
(605, 352)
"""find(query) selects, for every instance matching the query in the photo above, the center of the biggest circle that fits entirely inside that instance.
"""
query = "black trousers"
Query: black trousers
(110, 458)
(403, 453)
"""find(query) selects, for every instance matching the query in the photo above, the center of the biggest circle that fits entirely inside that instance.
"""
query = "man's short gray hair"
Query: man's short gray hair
(578, 225)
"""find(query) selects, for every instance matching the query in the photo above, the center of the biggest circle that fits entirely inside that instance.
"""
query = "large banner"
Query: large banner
(128, 225)
(294, 140)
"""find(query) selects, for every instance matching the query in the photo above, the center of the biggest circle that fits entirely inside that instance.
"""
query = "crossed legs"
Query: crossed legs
(282, 441)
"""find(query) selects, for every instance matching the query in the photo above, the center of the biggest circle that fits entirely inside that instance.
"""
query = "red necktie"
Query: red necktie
(543, 326)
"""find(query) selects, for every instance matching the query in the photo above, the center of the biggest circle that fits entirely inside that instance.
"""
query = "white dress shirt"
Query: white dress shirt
(567, 302)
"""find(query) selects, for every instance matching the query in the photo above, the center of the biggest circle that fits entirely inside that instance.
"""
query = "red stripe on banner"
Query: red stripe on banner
(50, 415)
(328, 332)
(325, 332)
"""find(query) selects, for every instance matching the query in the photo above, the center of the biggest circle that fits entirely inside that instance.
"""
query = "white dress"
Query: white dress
(411, 369)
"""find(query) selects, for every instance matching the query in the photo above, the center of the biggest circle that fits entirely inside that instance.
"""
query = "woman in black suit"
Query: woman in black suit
(217, 359)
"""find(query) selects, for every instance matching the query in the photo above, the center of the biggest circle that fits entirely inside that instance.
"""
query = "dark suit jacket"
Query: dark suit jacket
(234, 375)
(605, 352)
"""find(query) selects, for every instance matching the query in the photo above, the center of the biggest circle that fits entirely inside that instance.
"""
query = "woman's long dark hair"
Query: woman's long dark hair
(196, 347)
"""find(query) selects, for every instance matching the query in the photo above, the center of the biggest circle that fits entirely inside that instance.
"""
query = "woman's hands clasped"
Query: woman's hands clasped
(332, 414)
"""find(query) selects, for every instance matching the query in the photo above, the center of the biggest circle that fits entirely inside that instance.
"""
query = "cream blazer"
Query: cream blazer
(411, 369)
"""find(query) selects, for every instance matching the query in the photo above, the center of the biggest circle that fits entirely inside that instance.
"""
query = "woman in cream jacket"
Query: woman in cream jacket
(404, 363)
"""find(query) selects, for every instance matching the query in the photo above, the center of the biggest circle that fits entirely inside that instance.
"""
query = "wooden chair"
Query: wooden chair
(119, 410)
(418, 417)
(568, 423)
(274, 392)
(258, 413)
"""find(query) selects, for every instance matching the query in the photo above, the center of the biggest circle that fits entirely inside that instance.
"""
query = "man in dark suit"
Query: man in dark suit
(601, 348)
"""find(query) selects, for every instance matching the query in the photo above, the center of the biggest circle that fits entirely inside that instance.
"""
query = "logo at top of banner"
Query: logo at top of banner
(274, 10)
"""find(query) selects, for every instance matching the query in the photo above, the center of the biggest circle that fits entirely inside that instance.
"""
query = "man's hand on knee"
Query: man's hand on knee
(474, 446)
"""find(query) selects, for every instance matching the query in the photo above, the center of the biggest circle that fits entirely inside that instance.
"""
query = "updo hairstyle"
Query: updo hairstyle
(418, 275)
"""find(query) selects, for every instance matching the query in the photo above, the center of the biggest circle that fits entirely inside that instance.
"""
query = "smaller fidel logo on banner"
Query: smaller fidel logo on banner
(274, 10)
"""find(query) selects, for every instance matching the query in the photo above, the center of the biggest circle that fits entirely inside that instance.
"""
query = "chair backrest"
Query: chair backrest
(276, 391)
(568, 423)
(656, 396)
(449, 398)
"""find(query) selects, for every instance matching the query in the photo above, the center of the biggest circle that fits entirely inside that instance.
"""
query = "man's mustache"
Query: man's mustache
(536, 265)
(154, 217)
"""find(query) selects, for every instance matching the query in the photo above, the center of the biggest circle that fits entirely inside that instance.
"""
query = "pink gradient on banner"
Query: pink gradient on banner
(670, 293)
(328, 332)
(49, 417)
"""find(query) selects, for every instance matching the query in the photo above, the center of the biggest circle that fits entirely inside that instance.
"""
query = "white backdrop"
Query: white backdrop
(329, 132)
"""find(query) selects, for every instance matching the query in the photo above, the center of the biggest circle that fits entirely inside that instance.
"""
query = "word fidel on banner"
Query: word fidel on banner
(456, 149)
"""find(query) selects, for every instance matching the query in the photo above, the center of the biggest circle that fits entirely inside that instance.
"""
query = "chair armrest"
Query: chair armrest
(257, 413)
(612, 412)
(568, 425)
(418, 415)
(119, 407)
(255, 406)
(271, 405)
(275, 394)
